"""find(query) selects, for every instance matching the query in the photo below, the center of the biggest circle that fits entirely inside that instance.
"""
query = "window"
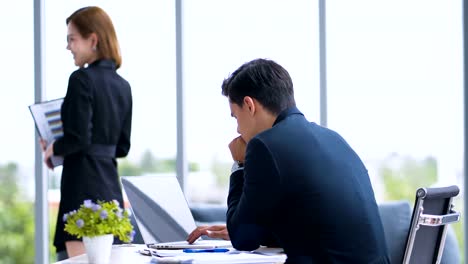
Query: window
(396, 93)
(17, 136)
(219, 36)
(146, 33)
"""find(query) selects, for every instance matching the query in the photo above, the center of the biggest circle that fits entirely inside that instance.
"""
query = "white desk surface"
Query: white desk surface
(128, 254)
(121, 254)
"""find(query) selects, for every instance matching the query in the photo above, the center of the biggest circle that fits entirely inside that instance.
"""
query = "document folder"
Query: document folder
(48, 122)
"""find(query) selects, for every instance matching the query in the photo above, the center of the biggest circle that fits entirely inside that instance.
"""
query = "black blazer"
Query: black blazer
(305, 188)
(97, 116)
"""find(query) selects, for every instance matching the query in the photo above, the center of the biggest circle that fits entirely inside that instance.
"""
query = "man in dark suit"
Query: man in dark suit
(295, 184)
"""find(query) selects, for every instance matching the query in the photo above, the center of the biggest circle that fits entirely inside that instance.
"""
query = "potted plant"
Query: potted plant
(98, 223)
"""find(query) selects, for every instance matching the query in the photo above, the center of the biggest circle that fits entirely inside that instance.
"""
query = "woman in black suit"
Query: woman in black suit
(96, 115)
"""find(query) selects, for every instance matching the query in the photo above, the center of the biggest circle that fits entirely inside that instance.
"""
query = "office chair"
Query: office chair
(433, 210)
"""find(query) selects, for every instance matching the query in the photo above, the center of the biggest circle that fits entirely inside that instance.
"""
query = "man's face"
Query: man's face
(245, 120)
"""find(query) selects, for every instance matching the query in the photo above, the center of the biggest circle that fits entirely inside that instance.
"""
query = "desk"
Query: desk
(127, 254)
(121, 254)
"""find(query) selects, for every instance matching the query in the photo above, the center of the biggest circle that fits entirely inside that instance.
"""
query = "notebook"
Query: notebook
(162, 213)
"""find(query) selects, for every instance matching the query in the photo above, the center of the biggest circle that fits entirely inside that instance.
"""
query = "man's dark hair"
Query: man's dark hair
(264, 80)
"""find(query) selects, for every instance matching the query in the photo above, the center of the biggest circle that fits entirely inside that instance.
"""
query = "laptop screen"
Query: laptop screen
(160, 208)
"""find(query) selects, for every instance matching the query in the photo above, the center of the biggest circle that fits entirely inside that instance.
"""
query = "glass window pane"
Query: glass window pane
(147, 40)
(396, 91)
(17, 137)
(146, 33)
(219, 36)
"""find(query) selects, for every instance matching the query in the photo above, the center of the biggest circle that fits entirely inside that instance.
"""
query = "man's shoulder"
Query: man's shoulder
(288, 127)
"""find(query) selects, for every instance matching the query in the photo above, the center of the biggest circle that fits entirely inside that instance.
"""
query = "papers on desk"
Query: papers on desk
(261, 255)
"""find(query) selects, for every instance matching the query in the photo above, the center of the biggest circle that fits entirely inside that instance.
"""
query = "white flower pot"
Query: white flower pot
(99, 248)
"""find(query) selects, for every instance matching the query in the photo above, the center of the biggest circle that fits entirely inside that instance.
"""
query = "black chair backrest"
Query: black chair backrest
(433, 210)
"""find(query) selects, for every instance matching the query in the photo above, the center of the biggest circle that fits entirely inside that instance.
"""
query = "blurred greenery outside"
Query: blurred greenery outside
(401, 177)
(16, 220)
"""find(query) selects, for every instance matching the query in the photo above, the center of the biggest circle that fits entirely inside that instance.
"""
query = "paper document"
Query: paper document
(199, 244)
(48, 123)
(266, 251)
(220, 258)
(261, 255)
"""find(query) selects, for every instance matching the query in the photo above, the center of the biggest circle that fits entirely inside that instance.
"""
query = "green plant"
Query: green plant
(16, 219)
(101, 218)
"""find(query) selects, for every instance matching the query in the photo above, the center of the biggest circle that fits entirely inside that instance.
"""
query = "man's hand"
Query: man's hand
(237, 148)
(215, 231)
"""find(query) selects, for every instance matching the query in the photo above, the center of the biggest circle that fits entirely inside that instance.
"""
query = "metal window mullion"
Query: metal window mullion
(41, 219)
(465, 111)
(182, 164)
(323, 64)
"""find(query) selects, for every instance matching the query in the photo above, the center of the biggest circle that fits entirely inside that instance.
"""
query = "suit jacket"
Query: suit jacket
(306, 188)
(96, 116)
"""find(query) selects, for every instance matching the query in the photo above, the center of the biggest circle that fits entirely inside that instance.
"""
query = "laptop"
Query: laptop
(162, 213)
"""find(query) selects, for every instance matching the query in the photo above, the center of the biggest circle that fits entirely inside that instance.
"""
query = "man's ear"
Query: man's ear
(250, 104)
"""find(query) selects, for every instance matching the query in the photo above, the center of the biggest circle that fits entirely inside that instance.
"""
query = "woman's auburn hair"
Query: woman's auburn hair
(93, 19)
